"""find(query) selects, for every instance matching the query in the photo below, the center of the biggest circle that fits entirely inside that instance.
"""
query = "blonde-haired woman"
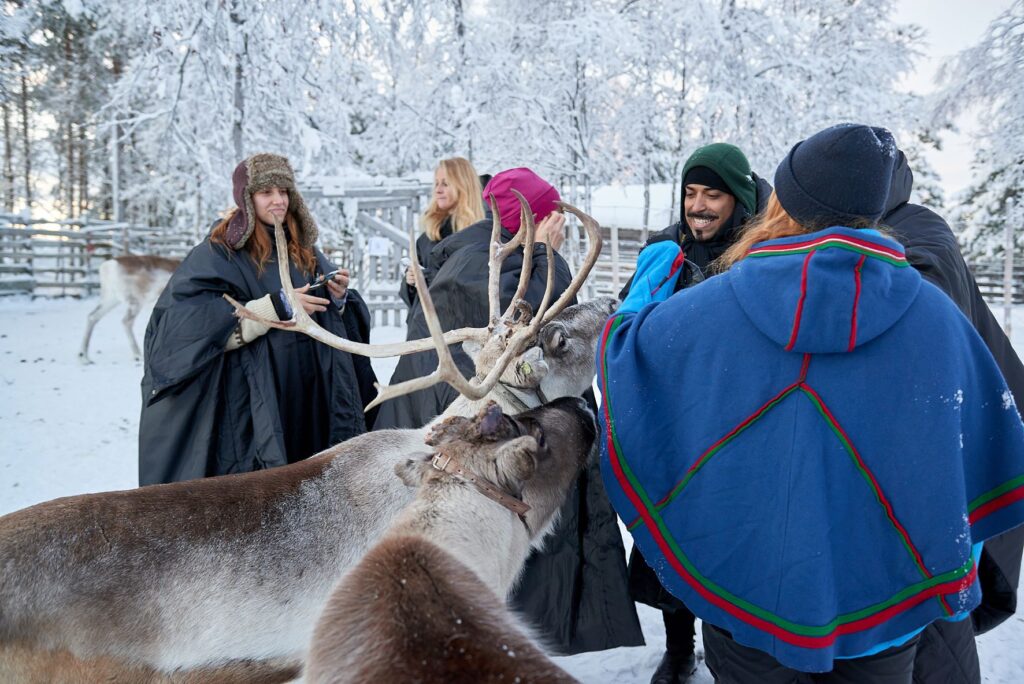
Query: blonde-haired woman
(456, 203)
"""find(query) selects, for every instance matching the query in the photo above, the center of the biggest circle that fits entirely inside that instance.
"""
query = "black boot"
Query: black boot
(678, 663)
(674, 668)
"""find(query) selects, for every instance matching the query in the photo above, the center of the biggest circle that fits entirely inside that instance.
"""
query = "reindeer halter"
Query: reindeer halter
(452, 466)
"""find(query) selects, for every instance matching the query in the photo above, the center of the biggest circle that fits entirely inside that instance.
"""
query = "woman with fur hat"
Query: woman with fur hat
(823, 498)
(224, 396)
(455, 204)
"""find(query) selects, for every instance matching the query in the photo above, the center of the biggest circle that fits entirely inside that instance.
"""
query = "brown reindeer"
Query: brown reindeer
(133, 279)
(426, 604)
(222, 579)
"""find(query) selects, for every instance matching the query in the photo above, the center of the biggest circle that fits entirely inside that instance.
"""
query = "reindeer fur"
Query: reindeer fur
(423, 605)
(207, 576)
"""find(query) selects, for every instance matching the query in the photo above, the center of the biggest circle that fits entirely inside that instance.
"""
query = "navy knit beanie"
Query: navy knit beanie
(837, 176)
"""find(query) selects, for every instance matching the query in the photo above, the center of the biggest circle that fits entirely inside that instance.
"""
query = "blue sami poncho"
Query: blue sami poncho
(806, 447)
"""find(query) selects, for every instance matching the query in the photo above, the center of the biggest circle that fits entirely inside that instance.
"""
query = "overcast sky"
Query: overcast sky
(951, 26)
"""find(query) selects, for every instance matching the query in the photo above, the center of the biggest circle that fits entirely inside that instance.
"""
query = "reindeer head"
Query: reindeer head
(569, 343)
(534, 456)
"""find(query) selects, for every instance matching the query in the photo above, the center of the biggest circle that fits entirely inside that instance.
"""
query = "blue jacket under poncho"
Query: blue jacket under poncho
(820, 495)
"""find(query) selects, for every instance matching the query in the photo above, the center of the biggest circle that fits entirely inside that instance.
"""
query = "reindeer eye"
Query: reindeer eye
(557, 342)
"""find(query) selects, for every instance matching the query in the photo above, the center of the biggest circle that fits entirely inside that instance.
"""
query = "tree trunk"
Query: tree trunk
(26, 145)
(69, 131)
(465, 128)
(117, 210)
(239, 99)
(69, 142)
(8, 161)
(83, 171)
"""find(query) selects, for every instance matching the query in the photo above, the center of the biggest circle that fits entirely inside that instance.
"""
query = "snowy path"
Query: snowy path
(70, 429)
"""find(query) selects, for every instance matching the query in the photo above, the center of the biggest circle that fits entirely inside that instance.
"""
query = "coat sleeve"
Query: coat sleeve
(357, 321)
(191, 322)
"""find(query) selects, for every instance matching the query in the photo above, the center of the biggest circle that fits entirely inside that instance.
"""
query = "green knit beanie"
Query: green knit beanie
(728, 162)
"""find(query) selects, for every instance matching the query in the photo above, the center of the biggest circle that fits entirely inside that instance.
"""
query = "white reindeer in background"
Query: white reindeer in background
(222, 579)
(135, 280)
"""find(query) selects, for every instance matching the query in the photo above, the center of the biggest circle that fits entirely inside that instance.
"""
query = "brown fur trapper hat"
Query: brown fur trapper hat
(258, 172)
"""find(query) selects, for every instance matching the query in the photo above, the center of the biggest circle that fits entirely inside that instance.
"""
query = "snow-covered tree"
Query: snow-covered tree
(586, 93)
(990, 75)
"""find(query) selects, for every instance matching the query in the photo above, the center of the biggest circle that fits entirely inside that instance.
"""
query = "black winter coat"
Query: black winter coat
(458, 288)
(276, 400)
(423, 247)
(946, 652)
(573, 592)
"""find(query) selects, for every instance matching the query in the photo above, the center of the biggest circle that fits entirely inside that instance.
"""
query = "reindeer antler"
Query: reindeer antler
(302, 322)
(516, 334)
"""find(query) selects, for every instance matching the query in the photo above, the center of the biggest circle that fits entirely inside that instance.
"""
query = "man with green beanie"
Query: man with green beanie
(719, 195)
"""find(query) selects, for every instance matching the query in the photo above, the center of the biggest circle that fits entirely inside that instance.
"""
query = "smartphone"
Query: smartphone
(322, 280)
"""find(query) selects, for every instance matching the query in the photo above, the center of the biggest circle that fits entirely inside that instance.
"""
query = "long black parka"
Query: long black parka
(946, 653)
(424, 245)
(278, 399)
(458, 272)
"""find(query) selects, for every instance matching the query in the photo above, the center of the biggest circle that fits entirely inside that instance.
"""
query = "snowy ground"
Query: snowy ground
(70, 429)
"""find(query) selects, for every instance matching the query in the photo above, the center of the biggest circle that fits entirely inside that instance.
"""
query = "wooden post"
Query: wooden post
(1008, 279)
(616, 286)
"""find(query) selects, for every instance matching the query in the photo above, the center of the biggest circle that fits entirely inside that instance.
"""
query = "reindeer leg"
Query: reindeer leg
(101, 310)
(129, 321)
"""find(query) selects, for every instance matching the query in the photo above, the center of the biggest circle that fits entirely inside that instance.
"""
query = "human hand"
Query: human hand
(311, 303)
(552, 230)
(410, 279)
(338, 285)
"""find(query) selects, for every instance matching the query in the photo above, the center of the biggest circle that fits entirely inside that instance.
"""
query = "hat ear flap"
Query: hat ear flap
(250, 216)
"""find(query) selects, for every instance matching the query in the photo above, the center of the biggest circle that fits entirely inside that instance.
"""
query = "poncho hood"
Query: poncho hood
(826, 292)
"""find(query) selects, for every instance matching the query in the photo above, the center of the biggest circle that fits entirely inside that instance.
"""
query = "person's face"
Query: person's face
(270, 204)
(445, 195)
(707, 210)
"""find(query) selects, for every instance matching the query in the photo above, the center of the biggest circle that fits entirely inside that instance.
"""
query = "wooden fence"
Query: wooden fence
(44, 258)
(991, 281)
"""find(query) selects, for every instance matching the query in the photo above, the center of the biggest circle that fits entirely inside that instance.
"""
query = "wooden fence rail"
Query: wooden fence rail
(44, 258)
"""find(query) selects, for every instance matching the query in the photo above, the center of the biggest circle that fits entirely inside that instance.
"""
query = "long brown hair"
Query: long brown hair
(260, 246)
(773, 223)
(469, 205)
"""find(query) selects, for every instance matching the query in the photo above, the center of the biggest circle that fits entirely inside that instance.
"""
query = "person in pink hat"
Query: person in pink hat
(457, 275)
(576, 601)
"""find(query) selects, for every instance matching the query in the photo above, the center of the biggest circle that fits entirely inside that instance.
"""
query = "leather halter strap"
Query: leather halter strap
(452, 466)
(519, 399)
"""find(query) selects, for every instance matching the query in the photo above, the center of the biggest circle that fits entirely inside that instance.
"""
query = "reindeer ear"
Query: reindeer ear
(489, 421)
(413, 470)
(517, 458)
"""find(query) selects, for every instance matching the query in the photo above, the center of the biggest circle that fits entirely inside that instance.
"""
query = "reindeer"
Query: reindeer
(134, 280)
(222, 579)
(426, 603)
